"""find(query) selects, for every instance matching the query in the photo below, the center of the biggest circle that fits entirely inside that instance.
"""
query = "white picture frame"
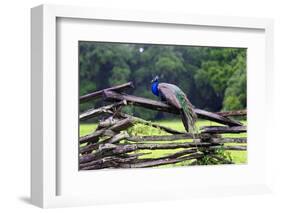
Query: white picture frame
(44, 151)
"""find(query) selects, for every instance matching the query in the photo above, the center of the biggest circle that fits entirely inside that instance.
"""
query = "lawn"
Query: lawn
(239, 157)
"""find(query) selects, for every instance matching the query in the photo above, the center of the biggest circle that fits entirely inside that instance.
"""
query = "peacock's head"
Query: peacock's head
(155, 79)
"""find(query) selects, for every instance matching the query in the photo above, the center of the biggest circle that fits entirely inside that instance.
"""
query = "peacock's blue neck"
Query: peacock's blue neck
(154, 88)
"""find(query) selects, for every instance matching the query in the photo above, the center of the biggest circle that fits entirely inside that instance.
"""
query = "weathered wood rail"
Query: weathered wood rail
(159, 106)
(233, 113)
(99, 93)
(111, 146)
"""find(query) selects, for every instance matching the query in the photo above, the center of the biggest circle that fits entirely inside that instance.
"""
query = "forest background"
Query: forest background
(213, 78)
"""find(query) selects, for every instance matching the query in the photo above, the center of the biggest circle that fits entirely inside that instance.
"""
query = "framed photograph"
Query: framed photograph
(131, 106)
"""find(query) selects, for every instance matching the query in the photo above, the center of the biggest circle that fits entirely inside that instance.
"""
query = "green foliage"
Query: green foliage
(235, 93)
(119, 75)
(220, 70)
(232, 103)
(142, 130)
(213, 78)
(215, 157)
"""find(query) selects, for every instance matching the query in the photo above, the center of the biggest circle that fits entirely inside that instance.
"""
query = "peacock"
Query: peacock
(174, 96)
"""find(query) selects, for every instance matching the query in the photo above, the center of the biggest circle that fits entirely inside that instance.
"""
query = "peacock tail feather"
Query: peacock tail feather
(175, 97)
(188, 110)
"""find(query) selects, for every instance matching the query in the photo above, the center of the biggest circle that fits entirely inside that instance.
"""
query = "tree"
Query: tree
(213, 78)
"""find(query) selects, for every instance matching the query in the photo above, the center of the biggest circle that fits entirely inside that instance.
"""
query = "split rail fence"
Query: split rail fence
(111, 146)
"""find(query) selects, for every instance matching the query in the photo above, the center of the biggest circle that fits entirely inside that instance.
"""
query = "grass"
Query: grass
(238, 157)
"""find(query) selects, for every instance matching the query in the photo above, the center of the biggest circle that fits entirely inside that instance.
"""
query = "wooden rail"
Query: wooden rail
(233, 113)
(112, 145)
(99, 93)
(159, 106)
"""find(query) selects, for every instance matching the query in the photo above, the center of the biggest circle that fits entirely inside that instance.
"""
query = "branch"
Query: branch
(111, 161)
(148, 123)
(216, 118)
(174, 155)
(233, 113)
(121, 125)
(108, 122)
(134, 163)
(122, 136)
(139, 101)
(111, 149)
(105, 162)
(99, 93)
(159, 162)
(197, 139)
(95, 112)
(159, 106)
(152, 146)
(160, 138)
(230, 148)
(95, 135)
(230, 140)
(223, 129)
(112, 140)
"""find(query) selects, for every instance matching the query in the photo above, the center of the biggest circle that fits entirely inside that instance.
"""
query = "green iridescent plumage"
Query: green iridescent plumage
(175, 97)
(188, 112)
